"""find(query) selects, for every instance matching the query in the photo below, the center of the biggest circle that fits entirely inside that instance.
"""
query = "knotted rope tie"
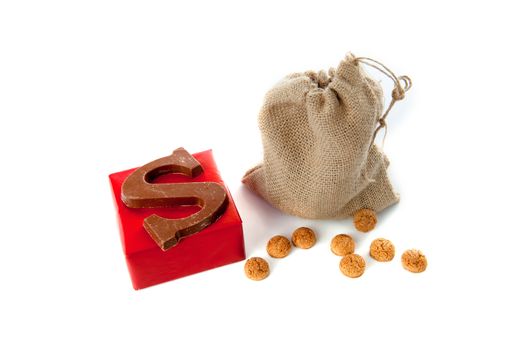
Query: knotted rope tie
(397, 94)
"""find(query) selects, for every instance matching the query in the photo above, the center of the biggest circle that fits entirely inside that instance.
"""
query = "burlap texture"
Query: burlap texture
(316, 131)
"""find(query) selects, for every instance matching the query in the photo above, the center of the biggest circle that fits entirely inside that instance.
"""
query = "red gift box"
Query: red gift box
(219, 244)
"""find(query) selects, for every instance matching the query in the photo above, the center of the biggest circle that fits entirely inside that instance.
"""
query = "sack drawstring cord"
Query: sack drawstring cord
(397, 94)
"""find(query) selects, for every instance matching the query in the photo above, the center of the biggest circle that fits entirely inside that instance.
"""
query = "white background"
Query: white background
(88, 88)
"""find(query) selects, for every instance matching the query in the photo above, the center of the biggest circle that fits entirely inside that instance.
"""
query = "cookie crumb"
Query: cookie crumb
(365, 220)
(352, 265)
(414, 260)
(382, 250)
(278, 247)
(257, 269)
(303, 237)
(342, 244)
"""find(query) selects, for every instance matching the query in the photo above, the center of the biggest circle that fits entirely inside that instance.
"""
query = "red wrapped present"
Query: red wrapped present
(218, 244)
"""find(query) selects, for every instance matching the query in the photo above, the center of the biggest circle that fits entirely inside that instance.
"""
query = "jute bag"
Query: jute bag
(318, 132)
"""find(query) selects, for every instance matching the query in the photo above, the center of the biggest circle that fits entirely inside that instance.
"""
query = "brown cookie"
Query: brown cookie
(414, 260)
(256, 269)
(382, 250)
(342, 244)
(278, 247)
(365, 220)
(352, 265)
(303, 237)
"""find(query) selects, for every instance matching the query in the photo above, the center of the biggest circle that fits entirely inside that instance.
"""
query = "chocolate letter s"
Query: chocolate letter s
(138, 191)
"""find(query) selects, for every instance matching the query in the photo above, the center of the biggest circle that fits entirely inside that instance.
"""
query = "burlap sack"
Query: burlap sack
(318, 132)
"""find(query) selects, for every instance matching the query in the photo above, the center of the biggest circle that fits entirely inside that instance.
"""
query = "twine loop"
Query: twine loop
(401, 85)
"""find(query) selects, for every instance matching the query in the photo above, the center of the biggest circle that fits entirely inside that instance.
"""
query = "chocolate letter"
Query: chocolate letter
(138, 191)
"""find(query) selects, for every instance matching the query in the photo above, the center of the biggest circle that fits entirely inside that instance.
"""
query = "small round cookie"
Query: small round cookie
(303, 237)
(342, 244)
(256, 269)
(414, 260)
(382, 250)
(278, 247)
(352, 265)
(365, 220)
